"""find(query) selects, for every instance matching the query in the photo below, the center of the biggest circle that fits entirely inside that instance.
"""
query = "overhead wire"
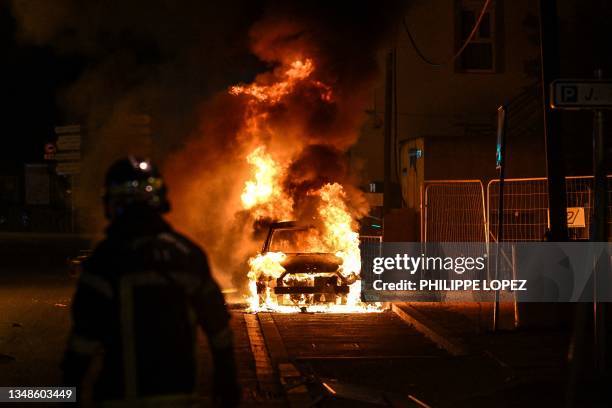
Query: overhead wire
(459, 51)
(424, 58)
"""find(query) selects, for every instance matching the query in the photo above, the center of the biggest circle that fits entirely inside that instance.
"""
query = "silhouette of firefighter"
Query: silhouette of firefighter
(139, 300)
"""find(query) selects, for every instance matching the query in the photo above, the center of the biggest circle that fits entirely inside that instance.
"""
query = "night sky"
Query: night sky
(122, 47)
(35, 74)
(30, 77)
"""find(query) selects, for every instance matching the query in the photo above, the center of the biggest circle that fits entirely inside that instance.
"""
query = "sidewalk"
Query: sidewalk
(534, 361)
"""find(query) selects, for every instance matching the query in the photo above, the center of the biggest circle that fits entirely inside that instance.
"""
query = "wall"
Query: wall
(454, 112)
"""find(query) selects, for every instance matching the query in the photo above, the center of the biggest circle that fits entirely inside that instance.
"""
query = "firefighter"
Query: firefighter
(138, 303)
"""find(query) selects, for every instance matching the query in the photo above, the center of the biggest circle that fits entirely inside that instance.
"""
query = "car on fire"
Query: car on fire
(308, 277)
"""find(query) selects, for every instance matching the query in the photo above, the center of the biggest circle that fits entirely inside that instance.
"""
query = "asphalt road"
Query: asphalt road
(342, 359)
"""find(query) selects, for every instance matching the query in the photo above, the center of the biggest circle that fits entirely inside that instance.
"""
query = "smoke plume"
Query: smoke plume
(176, 65)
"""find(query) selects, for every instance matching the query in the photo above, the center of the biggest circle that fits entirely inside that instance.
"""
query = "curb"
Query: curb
(430, 329)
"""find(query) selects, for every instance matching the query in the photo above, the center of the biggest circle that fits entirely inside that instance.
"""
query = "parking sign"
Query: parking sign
(581, 94)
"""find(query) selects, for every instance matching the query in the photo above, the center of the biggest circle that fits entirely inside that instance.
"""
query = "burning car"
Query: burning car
(291, 271)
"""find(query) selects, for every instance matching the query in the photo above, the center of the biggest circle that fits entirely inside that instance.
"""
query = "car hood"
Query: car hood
(311, 263)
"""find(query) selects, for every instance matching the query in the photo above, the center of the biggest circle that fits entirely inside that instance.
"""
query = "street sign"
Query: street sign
(69, 142)
(68, 156)
(575, 217)
(68, 153)
(68, 168)
(50, 148)
(581, 94)
(62, 147)
(67, 129)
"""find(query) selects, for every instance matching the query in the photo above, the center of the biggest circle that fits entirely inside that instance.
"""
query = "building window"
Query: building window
(480, 55)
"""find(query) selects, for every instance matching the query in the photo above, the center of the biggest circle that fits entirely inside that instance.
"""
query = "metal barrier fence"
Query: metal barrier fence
(525, 214)
(370, 247)
(454, 211)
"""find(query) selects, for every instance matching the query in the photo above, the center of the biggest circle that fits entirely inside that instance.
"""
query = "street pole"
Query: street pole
(555, 168)
(598, 232)
(388, 126)
(599, 226)
(71, 177)
(501, 162)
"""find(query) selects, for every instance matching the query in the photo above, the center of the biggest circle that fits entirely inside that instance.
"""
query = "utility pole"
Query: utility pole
(388, 126)
(555, 167)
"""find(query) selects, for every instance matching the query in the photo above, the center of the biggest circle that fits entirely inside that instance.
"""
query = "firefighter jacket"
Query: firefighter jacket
(141, 296)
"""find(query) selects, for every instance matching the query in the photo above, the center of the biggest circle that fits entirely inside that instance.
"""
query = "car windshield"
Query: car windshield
(294, 240)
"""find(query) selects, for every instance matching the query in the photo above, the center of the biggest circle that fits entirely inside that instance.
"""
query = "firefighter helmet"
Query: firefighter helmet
(133, 181)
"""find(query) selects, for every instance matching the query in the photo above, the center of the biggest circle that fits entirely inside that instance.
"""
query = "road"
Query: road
(372, 359)
(363, 359)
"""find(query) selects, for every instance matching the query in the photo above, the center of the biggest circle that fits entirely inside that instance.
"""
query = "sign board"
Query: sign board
(575, 217)
(68, 156)
(50, 148)
(581, 94)
(68, 168)
(69, 142)
(67, 129)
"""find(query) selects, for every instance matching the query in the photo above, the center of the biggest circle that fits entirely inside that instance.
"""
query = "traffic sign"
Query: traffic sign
(67, 129)
(69, 142)
(68, 168)
(575, 217)
(581, 94)
(68, 156)
(50, 148)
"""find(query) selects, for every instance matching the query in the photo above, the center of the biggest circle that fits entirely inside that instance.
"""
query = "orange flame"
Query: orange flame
(263, 196)
(299, 70)
(264, 191)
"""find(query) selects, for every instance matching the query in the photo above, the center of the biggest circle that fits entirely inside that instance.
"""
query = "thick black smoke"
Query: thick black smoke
(159, 58)
(174, 61)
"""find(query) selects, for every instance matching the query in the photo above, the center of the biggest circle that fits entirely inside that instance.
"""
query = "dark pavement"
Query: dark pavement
(365, 359)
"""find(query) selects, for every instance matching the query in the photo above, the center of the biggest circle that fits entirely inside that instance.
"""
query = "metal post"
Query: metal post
(501, 159)
(388, 126)
(515, 277)
(72, 226)
(599, 226)
(555, 169)
(598, 233)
